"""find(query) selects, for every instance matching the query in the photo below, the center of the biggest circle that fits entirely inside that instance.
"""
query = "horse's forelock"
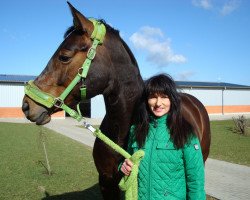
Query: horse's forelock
(71, 29)
(68, 31)
(108, 27)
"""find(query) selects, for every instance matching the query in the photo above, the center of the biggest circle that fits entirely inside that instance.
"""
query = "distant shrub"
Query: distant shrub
(240, 125)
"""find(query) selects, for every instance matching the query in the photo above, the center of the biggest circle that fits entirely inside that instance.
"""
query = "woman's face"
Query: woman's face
(159, 104)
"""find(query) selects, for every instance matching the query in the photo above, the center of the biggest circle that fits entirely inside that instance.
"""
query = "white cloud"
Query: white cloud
(205, 4)
(10, 35)
(15, 36)
(224, 7)
(229, 7)
(185, 75)
(157, 47)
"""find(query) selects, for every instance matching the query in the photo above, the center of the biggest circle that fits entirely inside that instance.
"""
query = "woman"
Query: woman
(172, 167)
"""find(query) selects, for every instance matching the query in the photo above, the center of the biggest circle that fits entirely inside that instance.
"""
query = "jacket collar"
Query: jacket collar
(158, 120)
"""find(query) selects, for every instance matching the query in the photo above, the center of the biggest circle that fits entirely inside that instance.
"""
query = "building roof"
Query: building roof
(217, 85)
(4, 78)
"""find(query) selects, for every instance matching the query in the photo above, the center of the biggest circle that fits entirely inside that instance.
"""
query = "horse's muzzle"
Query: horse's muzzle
(35, 112)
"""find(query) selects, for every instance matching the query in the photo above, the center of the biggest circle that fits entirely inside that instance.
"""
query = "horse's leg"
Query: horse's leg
(109, 188)
(107, 166)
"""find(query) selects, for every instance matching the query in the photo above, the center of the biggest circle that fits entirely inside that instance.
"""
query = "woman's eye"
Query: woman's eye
(64, 58)
(152, 96)
(164, 96)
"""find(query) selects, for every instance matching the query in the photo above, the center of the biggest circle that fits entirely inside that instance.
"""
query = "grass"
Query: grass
(22, 176)
(227, 145)
(23, 173)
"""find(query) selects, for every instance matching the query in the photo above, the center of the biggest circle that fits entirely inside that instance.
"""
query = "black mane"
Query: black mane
(112, 31)
(108, 28)
(117, 33)
(68, 31)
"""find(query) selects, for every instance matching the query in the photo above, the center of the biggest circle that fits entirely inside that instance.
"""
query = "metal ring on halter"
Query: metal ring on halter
(80, 71)
(58, 102)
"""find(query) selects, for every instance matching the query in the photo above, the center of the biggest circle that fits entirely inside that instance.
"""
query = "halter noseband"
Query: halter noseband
(49, 100)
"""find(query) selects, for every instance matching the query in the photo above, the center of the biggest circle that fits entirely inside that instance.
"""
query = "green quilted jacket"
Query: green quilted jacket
(166, 173)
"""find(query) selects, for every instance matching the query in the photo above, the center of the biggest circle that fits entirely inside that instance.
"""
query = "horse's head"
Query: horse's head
(64, 66)
(92, 56)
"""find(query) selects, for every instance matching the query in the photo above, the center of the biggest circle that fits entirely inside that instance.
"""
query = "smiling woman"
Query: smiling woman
(171, 147)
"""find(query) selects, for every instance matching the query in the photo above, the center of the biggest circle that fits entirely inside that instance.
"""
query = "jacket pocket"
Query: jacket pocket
(167, 153)
(165, 145)
(168, 195)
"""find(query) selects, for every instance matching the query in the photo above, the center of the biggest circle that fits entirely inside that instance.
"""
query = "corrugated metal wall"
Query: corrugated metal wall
(236, 97)
(207, 97)
(98, 107)
(11, 95)
(216, 97)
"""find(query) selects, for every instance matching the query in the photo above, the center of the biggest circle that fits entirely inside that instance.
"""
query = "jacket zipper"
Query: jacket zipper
(151, 153)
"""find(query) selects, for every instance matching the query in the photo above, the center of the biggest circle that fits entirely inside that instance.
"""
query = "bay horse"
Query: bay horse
(114, 73)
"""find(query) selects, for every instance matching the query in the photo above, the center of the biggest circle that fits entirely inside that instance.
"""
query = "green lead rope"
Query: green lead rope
(128, 184)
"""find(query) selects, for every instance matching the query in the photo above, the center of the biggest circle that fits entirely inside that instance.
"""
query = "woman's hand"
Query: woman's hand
(127, 167)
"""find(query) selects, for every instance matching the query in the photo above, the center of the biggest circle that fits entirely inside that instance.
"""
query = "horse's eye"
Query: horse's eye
(64, 58)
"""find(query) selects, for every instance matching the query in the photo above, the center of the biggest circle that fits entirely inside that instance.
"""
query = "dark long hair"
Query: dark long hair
(180, 129)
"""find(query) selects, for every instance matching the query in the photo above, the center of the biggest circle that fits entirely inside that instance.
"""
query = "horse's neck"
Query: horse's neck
(123, 90)
(120, 102)
(118, 114)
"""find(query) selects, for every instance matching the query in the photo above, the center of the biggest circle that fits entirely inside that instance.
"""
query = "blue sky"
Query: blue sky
(192, 40)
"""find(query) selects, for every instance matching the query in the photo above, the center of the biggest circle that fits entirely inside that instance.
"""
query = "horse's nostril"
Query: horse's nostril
(25, 108)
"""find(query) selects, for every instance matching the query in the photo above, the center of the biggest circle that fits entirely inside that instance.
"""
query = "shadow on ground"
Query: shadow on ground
(92, 193)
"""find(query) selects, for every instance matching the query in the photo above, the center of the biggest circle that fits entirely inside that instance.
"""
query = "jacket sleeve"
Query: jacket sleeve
(194, 170)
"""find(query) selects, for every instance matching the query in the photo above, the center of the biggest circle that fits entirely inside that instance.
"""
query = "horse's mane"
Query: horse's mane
(113, 31)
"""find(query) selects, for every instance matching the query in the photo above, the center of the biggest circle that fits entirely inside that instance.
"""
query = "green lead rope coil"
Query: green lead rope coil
(128, 184)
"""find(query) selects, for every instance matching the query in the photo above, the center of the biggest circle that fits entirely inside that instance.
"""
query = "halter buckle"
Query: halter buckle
(58, 102)
(91, 53)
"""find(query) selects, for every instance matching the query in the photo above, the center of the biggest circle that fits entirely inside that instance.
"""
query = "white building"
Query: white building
(218, 98)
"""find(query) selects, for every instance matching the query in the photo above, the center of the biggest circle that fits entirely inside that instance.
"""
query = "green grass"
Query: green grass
(74, 176)
(22, 176)
(227, 145)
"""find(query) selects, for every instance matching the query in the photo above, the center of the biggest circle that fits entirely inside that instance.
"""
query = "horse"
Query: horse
(114, 73)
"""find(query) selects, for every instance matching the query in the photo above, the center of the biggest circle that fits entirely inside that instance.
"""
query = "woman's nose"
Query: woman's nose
(158, 101)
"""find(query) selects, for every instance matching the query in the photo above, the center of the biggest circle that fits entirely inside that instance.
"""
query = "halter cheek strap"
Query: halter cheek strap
(98, 37)
(49, 100)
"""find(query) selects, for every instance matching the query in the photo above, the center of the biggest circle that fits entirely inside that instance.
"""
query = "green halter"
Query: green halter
(49, 100)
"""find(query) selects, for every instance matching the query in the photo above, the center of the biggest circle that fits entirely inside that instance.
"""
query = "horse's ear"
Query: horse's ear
(80, 21)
